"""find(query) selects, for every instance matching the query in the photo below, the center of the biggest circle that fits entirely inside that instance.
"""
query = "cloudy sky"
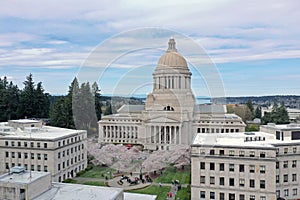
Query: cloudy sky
(254, 46)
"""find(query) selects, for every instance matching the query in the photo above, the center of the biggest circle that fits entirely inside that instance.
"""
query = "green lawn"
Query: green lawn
(171, 173)
(96, 172)
(161, 192)
(94, 183)
(184, 194)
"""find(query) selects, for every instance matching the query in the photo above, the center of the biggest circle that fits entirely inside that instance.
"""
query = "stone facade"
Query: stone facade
(170, 116)
(42, 148)
(244, 166)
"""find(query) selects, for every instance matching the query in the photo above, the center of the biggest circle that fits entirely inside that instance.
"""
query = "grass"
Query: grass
(70, 181)
(161, 192)
(170, 173)
(96, 172)
(184, 193)
(94, 183)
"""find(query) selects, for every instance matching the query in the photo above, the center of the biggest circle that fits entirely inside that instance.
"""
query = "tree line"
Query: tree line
(30, 102)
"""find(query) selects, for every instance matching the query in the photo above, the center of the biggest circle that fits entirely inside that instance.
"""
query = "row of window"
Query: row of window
(287, 150)
(285, 164)
(26, 155)
(32, 168)
(26, 144)
(221, 152)
(217, 130)
(71, 150)
(69, 141)
(286, 178)
(70, 174)
(69, 162)
(231, 182)
(286, 192)
(231, 167)
(231, 196)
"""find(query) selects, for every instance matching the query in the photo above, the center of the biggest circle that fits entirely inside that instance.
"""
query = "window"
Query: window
(285, 150)
(6, 166)
(252, 168)
(31, 144)
(6, 154)
(63, 154)
(13, 154)
(63, 165)
(277, 165)
(212, 166)
(242, 182)
(202, 194)
(294, 149)
(19, 155)
(58, 167)
(294, 164)
(202, 179)
(222, 196)
(212, 195)
(202, 165)
(12, 143)
(6, 143)
(242, 153)
(221, 152)
(277, 178)
(252, 154)
(25, 155)
(231, 182)
(39, 168)
(45, 168)
(262, 169)
(294, 177)
(32, 155)
(45, 145)
(59, 144)
(295, 192)
(58, 155)
(242, 168)
(262, 154)
(285, 178)
(252, 197)
(211, 152)
(25, 144)
(231, 196)
(222, 180)
(262, 184)
(277, 193)
(38, 145)
(32, 167)
(45, 157)
(252, 183)
(212, 180)
(231, 167)
(39, 156)
(286, 192)
(285, 164)
(242, 197)
(231, 153)
(222, 166)
(19, 144)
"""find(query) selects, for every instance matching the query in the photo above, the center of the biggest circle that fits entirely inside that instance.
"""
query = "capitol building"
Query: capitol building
(170, 116)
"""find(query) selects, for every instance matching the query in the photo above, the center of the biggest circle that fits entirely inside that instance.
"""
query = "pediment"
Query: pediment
(162, 119)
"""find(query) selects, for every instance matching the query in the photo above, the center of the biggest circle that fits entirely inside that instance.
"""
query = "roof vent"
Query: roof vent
(17, 170)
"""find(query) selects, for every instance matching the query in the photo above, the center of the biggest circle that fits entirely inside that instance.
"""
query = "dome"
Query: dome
(172, 58)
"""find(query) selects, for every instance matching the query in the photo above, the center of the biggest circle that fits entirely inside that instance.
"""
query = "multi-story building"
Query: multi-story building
(29, 143)
(238, 166)
(170, 116)
(284, 132)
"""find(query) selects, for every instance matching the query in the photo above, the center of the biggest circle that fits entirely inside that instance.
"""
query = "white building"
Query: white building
(42, 148)
(245, 166)
(284, 132)
(23, 185)
(170, 116)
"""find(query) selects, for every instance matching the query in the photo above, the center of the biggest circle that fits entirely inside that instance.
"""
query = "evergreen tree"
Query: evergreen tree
(257, 112)
(27, 98)
(41, 101)
(97, 96)
(108, 110)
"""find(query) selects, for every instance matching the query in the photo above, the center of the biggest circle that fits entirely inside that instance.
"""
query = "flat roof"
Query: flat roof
(282, 126)
(63, 191)
(24, 121)
(239, 139)
(23, 178)
(44, 132)
(135, 196)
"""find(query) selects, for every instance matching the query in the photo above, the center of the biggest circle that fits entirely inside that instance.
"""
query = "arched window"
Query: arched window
(168, 108)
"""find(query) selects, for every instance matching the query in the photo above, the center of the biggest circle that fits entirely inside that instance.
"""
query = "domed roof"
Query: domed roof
(172, 58)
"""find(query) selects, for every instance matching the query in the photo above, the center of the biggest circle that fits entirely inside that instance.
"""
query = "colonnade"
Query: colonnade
(163, 134)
